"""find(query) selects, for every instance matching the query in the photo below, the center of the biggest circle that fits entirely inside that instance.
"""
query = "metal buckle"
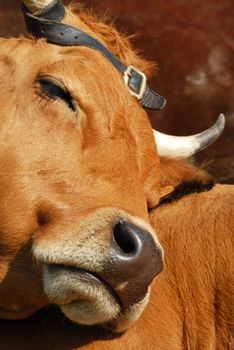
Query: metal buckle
(127, 76)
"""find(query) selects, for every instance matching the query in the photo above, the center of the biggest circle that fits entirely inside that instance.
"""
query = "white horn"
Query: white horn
(182, 147)
(36, 5)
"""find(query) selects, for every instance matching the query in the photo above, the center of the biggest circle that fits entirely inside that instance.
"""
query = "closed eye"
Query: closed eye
(53, 90)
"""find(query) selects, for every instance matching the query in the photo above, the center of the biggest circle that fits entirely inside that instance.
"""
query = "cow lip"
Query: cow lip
(94, 276)
(91, 277)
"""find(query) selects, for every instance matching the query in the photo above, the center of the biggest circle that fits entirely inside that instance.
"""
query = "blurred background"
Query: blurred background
(193, 44)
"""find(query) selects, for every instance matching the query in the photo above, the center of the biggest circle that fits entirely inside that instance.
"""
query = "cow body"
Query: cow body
(192, 301)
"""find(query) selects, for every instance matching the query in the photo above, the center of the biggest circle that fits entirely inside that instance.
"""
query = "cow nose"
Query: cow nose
(136, 259)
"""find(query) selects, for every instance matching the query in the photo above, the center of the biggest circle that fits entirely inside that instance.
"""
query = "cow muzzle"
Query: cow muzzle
(98, 280)
(135, 261)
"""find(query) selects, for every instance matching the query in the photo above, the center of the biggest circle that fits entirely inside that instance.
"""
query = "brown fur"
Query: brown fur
(191, 305)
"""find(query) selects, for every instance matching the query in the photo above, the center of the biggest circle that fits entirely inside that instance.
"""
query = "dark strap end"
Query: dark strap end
(152, 100)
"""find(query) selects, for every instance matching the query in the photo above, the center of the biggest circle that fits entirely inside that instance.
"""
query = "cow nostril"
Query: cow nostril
(125, 238)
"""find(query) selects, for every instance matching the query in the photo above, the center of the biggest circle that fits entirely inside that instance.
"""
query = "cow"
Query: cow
(80, 171)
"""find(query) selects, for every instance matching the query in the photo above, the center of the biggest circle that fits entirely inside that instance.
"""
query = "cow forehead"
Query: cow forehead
(86, 73)
(90, 78)
(108, 105)
(28, 56)
(104, 109)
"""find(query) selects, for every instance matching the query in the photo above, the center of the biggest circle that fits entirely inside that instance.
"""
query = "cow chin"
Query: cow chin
(87, 300)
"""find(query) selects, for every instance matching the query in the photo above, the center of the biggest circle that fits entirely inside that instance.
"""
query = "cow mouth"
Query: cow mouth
(83, 296)
(86, 276)
(87, 299)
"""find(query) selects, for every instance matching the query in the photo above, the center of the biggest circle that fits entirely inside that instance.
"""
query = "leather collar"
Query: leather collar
(47, 24)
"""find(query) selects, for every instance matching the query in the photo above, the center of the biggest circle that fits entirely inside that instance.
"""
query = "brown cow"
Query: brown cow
(79, 169)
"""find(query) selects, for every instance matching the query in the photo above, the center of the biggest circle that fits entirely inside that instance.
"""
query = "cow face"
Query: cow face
(78, 168)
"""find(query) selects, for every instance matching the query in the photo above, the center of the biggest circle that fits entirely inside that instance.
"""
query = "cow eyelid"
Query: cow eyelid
(53, 90)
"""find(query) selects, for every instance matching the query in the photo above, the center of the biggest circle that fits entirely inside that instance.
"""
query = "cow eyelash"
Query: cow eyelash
(54, 91)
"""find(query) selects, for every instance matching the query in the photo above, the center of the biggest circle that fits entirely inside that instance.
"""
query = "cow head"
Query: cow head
(79, 169)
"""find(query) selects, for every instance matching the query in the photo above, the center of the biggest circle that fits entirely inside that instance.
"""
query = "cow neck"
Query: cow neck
(47, 24)
(171, 194)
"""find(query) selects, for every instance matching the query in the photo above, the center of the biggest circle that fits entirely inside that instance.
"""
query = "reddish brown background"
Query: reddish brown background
(193, 43)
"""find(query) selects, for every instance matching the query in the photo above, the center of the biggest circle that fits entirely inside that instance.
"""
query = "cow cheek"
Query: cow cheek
(21, 292)
(152, 185)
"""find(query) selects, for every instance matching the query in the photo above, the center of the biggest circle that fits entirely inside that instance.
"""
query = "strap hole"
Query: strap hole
(76, 37)
(61, 34)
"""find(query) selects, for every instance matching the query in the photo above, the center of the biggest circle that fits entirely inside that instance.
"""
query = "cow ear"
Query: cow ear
(175, 172)
(180, 178)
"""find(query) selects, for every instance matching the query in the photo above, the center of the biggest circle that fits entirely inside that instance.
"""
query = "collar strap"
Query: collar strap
(47, 24)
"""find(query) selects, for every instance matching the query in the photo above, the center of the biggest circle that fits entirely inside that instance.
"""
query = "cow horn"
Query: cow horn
(182, 147)
(37, 5)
